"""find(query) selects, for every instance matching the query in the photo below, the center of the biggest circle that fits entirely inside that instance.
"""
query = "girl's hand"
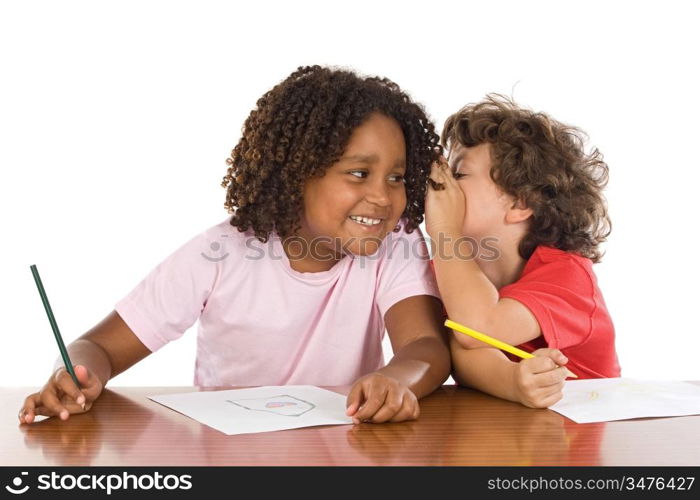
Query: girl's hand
(60, 396)
(445, 205)
(377, 398)
(539, 381)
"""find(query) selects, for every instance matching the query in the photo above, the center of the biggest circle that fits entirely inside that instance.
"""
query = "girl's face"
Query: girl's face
(360, 198)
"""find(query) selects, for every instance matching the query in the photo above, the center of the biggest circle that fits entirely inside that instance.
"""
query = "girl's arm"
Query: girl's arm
(421, 358)
(109, 348)
(103, 352)
(421, 363)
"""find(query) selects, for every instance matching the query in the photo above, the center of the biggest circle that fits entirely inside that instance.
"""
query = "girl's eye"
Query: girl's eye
(458, 175)
(361, 174)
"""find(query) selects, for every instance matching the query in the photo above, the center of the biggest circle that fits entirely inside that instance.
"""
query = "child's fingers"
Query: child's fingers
(441, 172)
(91, 386)
(544, 387)
(34, 407)
(393, 404)
(555, 354)
(547, 359)
(374, 400)
(65, 383)
(72, 406)
(354, 399)
(550, 378)
(43, 410)
(539, 364)
(351, 407)
(439, 177)
(84, 376)
(446, 173)
(551, 399)
(434, 179)
(51, 403)
(60, 396)
(28, 410)
(554, 389)
(409, 410)
(542, 397)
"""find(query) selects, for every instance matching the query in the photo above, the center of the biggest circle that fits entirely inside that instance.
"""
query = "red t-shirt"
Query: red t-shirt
(562, 292)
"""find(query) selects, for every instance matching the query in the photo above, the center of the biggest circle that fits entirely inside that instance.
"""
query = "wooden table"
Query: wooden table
(457, 426)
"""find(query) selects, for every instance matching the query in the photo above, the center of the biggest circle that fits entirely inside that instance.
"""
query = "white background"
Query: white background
(116, 119)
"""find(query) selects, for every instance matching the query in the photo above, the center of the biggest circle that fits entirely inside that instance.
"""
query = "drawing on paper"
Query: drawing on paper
(283, 404)
(603, 393)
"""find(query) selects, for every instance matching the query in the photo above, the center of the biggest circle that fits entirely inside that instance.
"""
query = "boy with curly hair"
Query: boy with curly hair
(524, 181)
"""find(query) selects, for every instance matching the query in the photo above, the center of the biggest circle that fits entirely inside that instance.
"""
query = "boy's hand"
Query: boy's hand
(539, 381)
(445, 204)
(377, 398)
(60, 396)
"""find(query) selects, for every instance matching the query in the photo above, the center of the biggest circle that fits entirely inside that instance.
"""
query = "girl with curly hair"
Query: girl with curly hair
(322, 251)
(523, 183)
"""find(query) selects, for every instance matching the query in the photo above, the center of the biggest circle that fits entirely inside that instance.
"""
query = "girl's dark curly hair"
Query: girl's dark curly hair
(301, 127)
(541, 162)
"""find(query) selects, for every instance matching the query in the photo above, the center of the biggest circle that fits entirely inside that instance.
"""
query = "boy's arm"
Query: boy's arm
(536, 382)
(486, 369)
(472, 300)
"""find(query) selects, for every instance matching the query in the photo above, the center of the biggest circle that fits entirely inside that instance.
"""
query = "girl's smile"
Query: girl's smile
(359, 199)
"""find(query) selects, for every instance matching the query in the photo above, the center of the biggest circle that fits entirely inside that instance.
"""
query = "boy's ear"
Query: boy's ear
(518, 212)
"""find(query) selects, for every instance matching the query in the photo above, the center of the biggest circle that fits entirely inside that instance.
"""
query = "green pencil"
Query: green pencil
(54, 326)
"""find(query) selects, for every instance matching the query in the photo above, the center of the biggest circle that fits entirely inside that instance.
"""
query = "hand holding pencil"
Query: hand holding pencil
(60, 397)
(497, 343)
(538, 380)
(70, 389)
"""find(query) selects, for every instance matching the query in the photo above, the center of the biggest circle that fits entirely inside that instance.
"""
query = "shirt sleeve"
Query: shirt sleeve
(405, 271)
(561, 297)
(170, 299)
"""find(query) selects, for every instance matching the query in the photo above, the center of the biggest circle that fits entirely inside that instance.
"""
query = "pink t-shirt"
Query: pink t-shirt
(263, 323)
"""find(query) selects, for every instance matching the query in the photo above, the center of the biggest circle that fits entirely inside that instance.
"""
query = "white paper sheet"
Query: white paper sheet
(606, 399)
(260, 409)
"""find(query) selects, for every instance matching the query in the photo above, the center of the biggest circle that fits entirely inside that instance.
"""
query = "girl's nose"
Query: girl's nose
(378, 194)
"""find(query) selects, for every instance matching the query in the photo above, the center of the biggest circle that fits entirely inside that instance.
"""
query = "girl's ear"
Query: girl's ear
(518, 212)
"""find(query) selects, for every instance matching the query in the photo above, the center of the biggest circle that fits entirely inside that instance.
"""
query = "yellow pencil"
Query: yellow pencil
(495, 343)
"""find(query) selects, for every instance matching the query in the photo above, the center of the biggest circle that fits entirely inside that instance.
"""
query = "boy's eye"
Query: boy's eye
(397, 178)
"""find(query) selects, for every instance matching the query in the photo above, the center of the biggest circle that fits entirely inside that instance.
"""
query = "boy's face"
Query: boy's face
(486, 205)
(361, 197)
